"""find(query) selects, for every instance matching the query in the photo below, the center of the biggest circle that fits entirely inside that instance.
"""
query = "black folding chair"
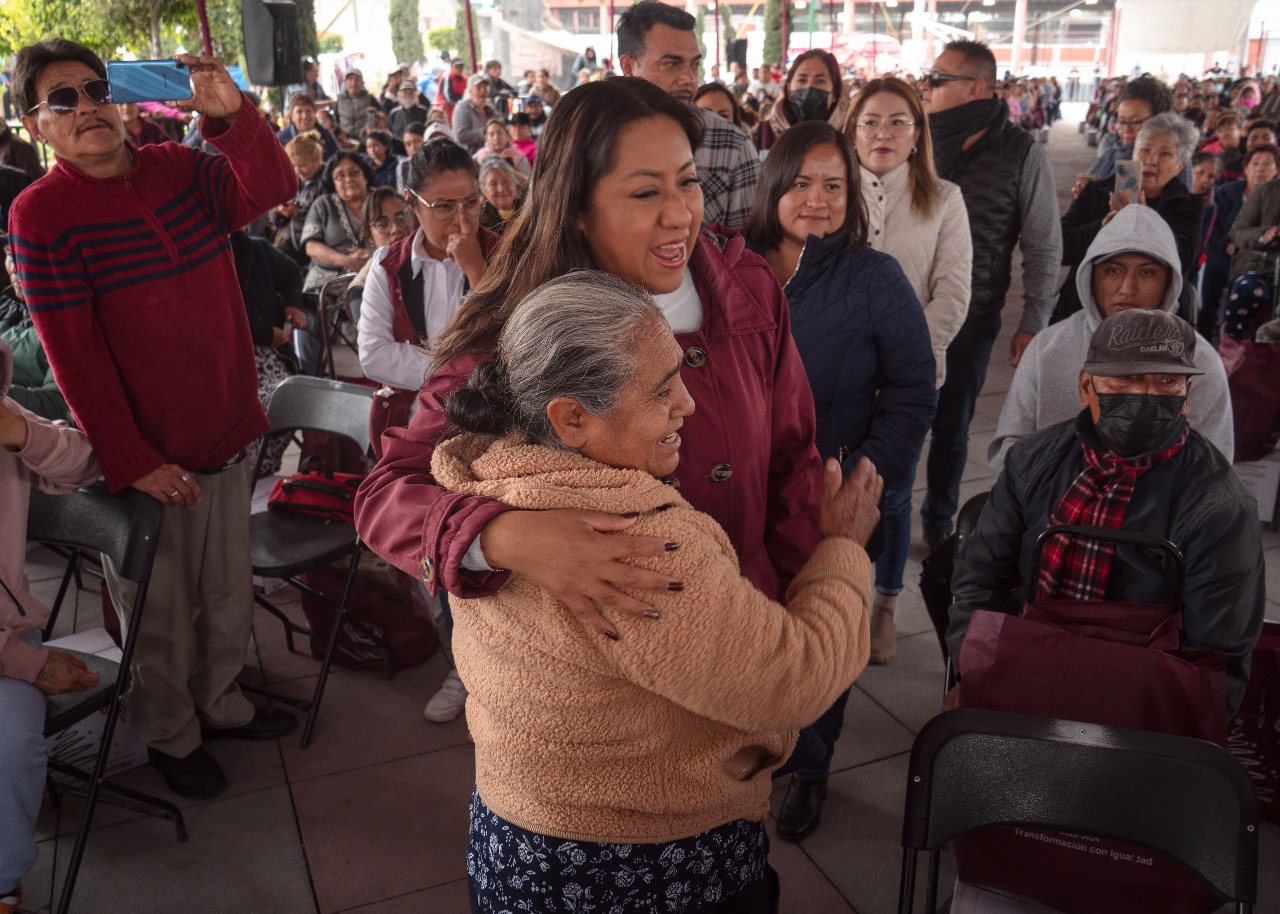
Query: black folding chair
(286, 545)
(1185, 798)
(126, 529)
(337, 325)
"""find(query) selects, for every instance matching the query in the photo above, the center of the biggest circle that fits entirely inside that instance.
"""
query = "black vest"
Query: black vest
(989, 174)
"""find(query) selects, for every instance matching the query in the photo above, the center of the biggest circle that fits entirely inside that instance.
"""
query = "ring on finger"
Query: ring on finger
(185, 476)
(173, 495)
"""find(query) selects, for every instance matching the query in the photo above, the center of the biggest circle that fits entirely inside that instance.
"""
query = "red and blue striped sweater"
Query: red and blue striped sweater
(132, 288)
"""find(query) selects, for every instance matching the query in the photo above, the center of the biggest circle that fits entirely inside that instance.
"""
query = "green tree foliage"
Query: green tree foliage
(406, 33)
(727, 31)
(307, 36)
(443, 38)
(147, 28)
(773, 48)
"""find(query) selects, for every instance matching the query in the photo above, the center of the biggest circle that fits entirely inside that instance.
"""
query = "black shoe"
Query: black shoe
(801, 808)
(197, 776)
(932, 538)
(267, 723)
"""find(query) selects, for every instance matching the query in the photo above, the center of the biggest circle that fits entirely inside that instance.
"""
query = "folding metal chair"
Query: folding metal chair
(285, 545)
(1187, 799)
(126, 529)
(336, 322)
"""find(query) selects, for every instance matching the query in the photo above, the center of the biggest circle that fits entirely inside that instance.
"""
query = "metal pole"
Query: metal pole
(715, 8)
(1019, 35)
(786, 33)
(875, 38)
(471, 35)
(206, 40)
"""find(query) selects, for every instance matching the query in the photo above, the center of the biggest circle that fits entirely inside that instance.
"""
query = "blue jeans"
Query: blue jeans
(967, 359)
(22, 773)
(895, 524)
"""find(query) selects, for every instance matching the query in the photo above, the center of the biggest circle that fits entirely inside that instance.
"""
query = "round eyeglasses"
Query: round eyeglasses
(443, 210)
(896, 127)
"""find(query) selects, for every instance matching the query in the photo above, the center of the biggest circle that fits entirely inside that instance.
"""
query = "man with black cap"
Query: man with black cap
(534, 107)
(1129, 460)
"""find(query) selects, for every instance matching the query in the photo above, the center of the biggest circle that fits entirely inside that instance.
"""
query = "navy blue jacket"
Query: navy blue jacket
(865, 346)
(1229, 200)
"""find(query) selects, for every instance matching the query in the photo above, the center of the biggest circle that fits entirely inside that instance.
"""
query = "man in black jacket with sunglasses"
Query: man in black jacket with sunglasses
(1009, 192)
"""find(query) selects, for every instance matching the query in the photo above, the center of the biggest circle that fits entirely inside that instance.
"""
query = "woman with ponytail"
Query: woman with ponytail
(616, 189)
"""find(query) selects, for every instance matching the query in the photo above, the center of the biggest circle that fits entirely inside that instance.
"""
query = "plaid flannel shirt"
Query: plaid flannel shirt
(729, 169)
(1078, 569)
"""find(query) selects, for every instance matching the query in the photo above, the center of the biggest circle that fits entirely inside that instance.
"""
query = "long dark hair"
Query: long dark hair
(779, 173)
(544, 241)
(833, 69)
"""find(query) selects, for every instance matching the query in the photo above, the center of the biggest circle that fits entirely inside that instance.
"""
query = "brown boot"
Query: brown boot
(884, 634)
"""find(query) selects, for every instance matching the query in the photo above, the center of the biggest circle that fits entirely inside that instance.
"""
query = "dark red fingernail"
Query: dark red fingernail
(631, 514)
(612, 636)
(652, 614)
(671, 547)
(675, 586)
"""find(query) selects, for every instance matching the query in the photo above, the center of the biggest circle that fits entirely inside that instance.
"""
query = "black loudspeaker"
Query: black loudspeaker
(736, 51)
(272, 49)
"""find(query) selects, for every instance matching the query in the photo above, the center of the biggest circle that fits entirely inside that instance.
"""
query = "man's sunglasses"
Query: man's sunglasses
(935, 79)
(67, 99)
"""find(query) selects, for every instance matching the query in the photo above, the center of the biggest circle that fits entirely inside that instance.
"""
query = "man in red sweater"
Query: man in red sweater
(124, 254)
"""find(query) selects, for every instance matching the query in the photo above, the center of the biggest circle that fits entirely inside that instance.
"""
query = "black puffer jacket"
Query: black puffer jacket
(989, 174)
(1194, 500)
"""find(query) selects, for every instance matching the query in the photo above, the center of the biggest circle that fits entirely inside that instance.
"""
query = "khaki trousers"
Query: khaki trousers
(199, 612)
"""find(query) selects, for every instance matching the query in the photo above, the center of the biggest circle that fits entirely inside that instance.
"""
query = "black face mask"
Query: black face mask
(1133, 424)
(810, 104)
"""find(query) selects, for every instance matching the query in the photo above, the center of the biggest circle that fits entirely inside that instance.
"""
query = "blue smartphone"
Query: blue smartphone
(148, 80)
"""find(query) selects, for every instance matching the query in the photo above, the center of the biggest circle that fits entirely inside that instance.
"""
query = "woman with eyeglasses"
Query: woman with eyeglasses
(1163, 149)
(1141, 100)
(417, 282)
(387, 219)
(813, 91)
(332, 234)
(921, 221)
(864, 343)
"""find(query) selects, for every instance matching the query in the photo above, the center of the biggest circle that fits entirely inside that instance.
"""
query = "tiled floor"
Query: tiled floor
(372, 817)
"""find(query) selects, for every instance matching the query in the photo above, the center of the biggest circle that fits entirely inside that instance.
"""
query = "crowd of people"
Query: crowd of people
(660, 361)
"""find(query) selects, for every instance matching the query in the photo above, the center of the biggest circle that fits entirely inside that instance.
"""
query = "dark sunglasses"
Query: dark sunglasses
(67, 99)
(935, 79)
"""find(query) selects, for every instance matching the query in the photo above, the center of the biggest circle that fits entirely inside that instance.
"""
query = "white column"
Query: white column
(1019, 33)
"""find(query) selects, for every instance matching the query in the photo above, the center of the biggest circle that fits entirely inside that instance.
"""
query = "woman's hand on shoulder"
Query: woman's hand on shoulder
(850, 507)
(572, 556)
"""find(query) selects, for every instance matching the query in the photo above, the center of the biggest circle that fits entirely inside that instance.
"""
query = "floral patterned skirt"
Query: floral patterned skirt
(514, 870)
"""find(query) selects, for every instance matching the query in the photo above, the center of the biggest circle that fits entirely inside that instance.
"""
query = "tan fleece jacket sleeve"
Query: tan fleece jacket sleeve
(725, 651)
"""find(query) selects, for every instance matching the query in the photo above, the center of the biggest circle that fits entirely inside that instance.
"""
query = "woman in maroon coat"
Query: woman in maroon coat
(616, 189)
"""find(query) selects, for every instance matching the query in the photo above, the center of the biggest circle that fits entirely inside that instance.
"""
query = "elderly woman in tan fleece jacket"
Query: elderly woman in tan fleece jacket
(632, 774)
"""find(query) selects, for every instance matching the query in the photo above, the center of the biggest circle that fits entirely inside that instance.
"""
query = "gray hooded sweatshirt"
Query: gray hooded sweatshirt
(1045, 386)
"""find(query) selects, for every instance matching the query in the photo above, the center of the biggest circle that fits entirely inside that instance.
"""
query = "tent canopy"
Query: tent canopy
(1183, 26)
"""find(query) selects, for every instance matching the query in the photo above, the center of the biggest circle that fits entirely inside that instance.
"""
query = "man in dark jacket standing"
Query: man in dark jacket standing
(1009, 192)
(1129, 460)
